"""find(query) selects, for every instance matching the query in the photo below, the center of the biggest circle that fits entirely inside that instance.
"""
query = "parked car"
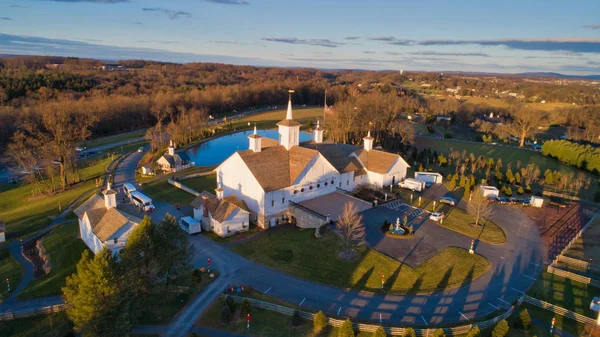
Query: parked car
(513, 200)
(558, 203)
(525, 201)
(492, 199)
(437, 216)
(448, 200)
(141, 149)
(502, 200)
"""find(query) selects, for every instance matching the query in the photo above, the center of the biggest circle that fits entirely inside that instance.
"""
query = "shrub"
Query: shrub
(520, 190)
(475, 332)
(528, 188)
(320, 322)
(467, 189)
(410, 229)
(346, 330)
(197, 276)
(245, 309)
(452, 184)
(296, 319)
(391, 228)
(225, 314)
(501, 329)
(439, 333)
(409, 332)
(379, 332)
(230, 303)
(508, 192)
(525, 319)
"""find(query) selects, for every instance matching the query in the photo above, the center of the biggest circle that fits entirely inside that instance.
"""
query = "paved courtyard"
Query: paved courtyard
(333, 204)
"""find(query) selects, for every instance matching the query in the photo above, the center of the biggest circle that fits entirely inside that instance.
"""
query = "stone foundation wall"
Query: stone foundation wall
(306, 219)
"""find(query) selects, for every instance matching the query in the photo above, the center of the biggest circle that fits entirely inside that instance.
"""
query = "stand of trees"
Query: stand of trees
(108, 294)
(582, 156)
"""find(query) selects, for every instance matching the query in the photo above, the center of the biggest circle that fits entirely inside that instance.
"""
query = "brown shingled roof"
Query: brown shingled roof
(113, 220)
(268, 142)
(289, 122)
(377, 161)
(94, 201)
(220, 210)
(275, 167)
(339, 155)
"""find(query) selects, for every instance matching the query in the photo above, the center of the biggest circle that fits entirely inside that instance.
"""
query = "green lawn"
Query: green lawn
(562, 323)
(457, 219)
(565, 293)
(203, 183)
(508, 155)
(114, 139)
(163, 305)
(299, 253)
(588, 245)
(25, 215)
(9, 269)
(161, 190)
(265, 323)
(65, 249)
(54, 325)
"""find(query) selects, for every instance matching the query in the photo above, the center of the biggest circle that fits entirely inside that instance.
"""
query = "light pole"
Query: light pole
(249, 320)
(208, 262)
(382, 281)
(8, 284)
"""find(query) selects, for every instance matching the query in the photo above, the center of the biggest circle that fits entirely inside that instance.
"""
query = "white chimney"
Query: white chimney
(255, 141)
(318, 134)
(368, 142)
(110, 197)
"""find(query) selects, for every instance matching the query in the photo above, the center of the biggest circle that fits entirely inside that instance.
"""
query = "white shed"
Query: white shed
(2, 232)
(490, 191)
(536, 201)
(429, 177)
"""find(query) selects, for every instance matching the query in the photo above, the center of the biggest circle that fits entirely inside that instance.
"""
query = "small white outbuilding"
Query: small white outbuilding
(536, 201)
(429, 177)
(490, 191)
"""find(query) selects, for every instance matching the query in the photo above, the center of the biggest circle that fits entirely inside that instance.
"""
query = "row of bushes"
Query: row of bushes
(582, 156)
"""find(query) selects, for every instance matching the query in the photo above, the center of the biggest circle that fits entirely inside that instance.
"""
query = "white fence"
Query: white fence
(183, 187)
(559, 310)
(395, 331)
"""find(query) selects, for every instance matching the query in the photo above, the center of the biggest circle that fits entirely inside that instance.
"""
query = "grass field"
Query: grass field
(25, 215)
(55, 325)
(566, 293)
(121, 137)
(265, 323)
(163, 305)
(508, 155)
(299, 253)
(588, 245)
(64, 249)
(203, 183)
(9, 269)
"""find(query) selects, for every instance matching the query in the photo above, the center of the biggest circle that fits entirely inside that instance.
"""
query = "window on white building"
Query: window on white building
(283, 200)
(347, 182)
(116, 240)
(272, 203)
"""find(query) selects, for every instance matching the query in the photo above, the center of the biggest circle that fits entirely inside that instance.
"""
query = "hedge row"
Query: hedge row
(582, 156)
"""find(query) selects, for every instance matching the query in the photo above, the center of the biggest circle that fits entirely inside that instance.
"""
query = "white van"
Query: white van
(128, 189)
(190, 225)
(142, 201)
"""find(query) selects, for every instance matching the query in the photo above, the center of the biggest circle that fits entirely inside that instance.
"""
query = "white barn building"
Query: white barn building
(103, 224)
(224, 216)
(271, 174)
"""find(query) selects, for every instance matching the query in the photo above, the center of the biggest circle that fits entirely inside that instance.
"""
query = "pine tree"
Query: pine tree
(346, 330)
(245, 309)
(520, 190)
(501, 329)
(320, 322)
(173, 249)
(510, 177)
(379, 332)
(409, 332)
(508, 191)
(138, 255)
(97, 305)
(296, 318)
(525, 319)
(518, 178)
(467, 189)
(439, 333)
(475, 332)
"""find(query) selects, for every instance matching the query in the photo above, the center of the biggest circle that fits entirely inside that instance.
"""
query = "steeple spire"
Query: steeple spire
(289, 109)
(254, 128)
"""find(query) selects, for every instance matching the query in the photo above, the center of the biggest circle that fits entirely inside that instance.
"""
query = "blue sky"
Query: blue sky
(476, 35)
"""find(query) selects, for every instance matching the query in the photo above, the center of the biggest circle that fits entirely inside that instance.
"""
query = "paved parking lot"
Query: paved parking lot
(429, 238)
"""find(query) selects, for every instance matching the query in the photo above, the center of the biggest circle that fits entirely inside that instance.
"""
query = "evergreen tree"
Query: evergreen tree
(409, 332)
(510, 177)
(379, 332)
(173, 249)
(296, 318)
(245, 309)
(501, 329)
(525, 319)
(226, 314)
(98, 306)
(439, 333)
(467, 189)
(499, 176)
(346, 330)
(520, 190)
(518, 178)
(528, 188)
(475, 332)
(138, 255)
(320, 322)
(508, 192)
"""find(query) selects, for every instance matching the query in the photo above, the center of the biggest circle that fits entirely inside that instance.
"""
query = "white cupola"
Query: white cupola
(110, 197)
(368, 142)
(171, 148)
(289, 129)
(255, 141)
(318, 134)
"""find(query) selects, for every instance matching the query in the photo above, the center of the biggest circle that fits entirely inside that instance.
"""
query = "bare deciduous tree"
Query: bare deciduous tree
(351, 230)
(479, 206)
(524, 123)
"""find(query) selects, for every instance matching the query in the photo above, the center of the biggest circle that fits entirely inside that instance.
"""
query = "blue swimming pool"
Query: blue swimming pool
(217, 150)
